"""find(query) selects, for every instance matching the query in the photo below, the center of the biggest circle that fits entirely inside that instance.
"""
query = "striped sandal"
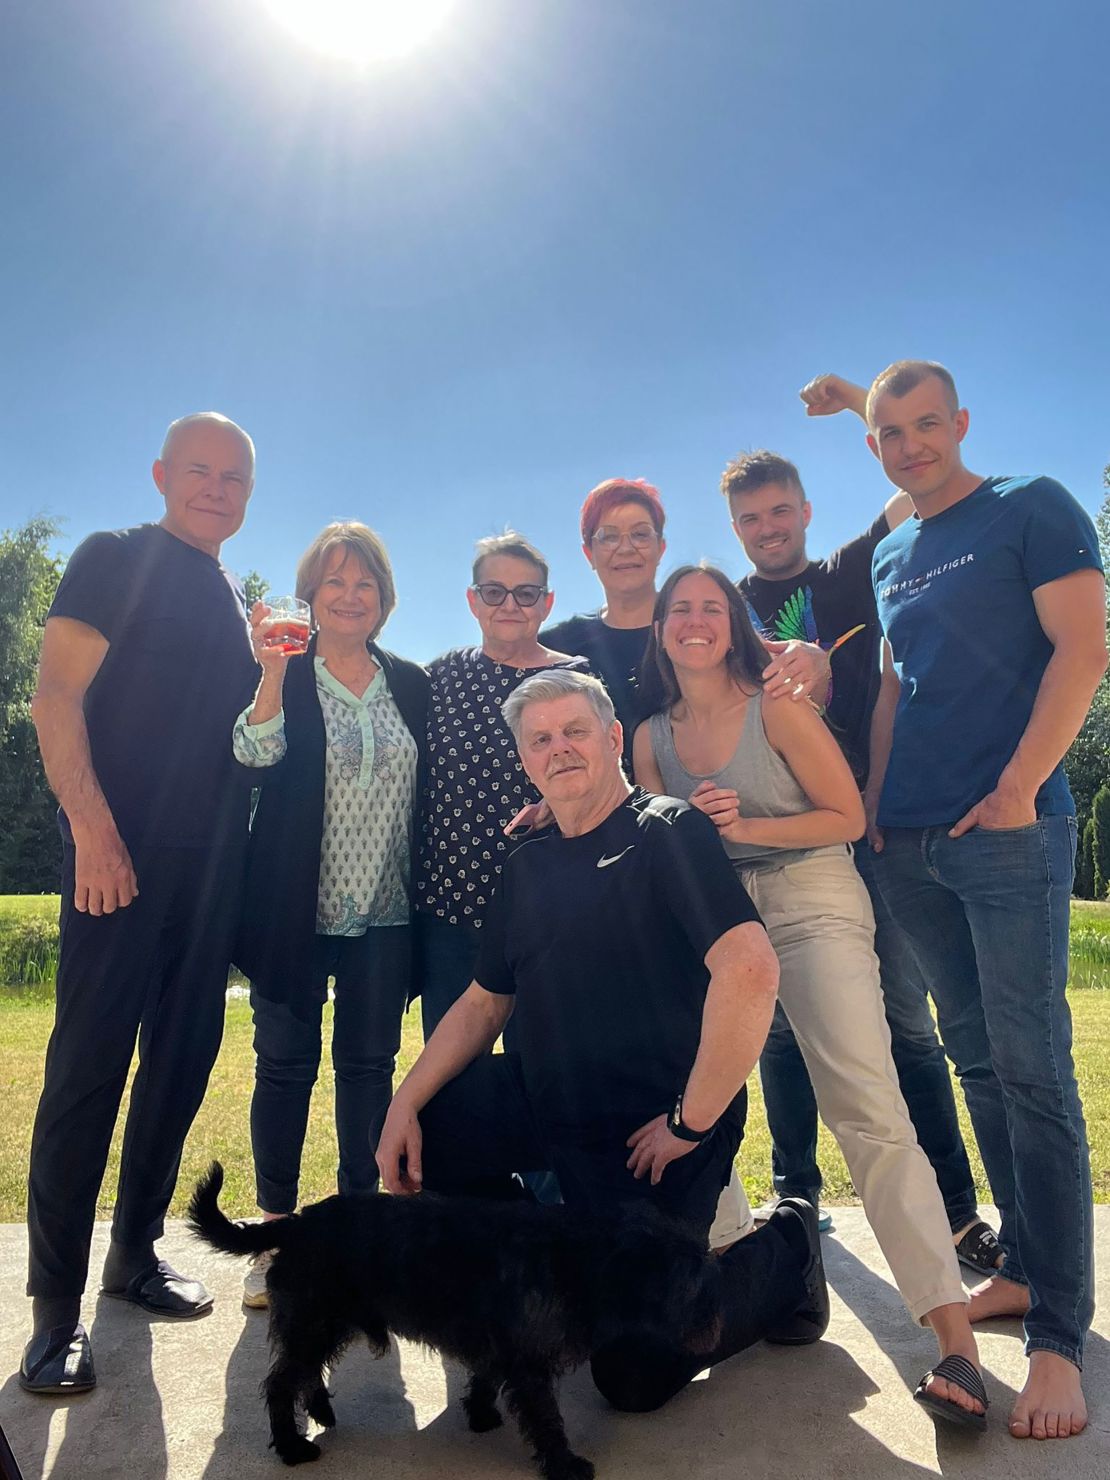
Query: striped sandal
(964, 1374)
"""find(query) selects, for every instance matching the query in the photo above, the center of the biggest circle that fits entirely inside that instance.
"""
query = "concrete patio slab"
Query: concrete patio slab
(179, 1401)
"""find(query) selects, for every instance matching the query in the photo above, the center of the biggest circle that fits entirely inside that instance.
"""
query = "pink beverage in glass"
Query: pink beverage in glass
(288, 626)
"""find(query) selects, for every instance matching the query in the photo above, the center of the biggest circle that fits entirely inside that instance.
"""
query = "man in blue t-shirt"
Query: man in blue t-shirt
(820, 620)
(992, 604)
(145, 664)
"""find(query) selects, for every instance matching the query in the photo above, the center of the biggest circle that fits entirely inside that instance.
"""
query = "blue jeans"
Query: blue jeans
(987, 915)
(922, 1076)
(372, 973)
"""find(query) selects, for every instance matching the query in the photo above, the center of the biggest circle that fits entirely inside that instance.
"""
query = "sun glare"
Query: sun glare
(361, 30)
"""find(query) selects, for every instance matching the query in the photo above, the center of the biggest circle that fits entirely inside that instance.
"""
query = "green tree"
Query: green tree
(30, 848)
(255, 588)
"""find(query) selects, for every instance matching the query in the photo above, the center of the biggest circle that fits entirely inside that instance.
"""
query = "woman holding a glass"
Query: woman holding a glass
(335, 740)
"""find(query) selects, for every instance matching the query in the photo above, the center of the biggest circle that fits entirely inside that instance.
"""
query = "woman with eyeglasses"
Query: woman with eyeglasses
(335, 740)
(773, 780)
(476, 783)
(622, 538)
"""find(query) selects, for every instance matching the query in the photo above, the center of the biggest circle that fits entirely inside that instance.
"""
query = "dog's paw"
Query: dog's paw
(320, 1409)
(299, 1451)
(567, 1467)
(482, 1420)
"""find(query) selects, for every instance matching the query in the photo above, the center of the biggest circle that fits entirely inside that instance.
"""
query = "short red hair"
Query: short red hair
(616, 491)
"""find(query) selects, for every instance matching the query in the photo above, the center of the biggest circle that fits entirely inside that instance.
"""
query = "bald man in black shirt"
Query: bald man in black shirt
(145, 664)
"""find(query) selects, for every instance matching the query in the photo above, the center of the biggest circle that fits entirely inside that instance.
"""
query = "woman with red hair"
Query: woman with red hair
(622, 537)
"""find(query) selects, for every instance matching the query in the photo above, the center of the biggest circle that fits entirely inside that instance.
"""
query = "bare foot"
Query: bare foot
(1050, 1405)
(997, 1297)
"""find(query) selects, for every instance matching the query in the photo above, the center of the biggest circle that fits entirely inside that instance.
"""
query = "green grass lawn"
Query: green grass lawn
(221, 1129)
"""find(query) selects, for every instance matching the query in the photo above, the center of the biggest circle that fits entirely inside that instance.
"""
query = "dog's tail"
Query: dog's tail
(206, 1220)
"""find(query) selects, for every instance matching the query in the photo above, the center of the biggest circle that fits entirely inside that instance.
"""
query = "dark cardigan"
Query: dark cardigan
(278, 923)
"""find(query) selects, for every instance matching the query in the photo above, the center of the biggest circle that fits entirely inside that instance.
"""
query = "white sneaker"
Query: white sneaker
(255, 1294)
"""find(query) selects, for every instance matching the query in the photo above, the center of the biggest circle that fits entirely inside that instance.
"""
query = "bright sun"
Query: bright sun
(361, 30)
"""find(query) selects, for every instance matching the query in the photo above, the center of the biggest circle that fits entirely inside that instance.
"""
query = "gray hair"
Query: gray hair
(508, 543)
(557, 683)
(193, 419)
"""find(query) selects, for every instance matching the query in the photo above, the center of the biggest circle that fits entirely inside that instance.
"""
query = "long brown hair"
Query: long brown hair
(746, 657)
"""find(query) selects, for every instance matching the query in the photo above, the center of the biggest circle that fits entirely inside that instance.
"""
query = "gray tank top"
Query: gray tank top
(760, 777)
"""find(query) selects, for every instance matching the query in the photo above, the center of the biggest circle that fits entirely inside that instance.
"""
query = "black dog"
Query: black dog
(518, 1293)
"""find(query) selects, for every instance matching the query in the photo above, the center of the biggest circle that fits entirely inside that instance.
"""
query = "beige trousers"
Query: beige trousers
(818, 915)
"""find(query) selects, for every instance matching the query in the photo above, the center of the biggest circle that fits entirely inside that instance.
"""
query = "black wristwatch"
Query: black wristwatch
(677, 1126)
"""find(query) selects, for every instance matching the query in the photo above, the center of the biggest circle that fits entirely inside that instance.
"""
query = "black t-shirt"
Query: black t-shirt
(603, 940)
(615, 655)
(178, 670)
(827, 599)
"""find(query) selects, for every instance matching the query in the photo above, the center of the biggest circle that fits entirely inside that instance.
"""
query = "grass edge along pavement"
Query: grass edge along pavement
(222, 1129)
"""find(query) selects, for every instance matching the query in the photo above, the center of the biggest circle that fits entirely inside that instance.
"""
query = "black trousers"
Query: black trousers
(481, 1125)
(155, 972)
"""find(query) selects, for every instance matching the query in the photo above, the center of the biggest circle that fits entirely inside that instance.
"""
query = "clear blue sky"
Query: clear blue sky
(567, 239)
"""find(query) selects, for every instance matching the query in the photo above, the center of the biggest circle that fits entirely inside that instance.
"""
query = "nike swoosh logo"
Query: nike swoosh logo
(605, 862)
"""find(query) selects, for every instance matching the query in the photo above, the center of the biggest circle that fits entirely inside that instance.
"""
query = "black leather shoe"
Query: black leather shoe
(163, 1292)
(58, 1362)
(810, 1321)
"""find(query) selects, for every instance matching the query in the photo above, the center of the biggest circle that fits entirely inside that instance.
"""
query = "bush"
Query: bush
(1085, 863)
(1100, 816)
(28, 951)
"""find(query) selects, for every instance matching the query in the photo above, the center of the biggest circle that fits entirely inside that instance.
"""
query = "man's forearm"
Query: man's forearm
(66, 758)
(1064, 696)
(882, 738)
(736, 1019)
(469, 1029)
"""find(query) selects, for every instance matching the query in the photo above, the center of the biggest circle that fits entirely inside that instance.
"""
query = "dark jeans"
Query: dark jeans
(446, 956)
(987, 915)
(922, 1075)
(156, 972)
(482, 1125)
(372, 973)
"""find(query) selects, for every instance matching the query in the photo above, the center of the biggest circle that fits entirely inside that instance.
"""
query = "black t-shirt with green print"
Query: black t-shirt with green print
(825, 601)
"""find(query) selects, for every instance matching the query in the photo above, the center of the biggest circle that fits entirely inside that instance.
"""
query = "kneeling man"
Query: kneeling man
(643, 984)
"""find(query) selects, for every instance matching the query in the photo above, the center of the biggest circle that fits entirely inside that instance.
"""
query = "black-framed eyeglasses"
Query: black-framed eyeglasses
(493, 593)
(641, 536)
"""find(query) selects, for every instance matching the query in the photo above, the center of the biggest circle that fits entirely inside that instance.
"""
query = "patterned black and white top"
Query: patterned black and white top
(475, 782)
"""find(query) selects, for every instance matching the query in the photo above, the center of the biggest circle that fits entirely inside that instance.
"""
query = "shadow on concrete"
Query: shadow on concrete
(756, 1414)
(369, 1394)
(105, 1431)
(911, 1349)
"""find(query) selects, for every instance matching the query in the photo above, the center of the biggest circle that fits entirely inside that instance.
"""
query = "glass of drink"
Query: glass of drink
(288, 625)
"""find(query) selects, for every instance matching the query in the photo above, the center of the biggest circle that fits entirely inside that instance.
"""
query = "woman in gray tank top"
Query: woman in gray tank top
(772, 779)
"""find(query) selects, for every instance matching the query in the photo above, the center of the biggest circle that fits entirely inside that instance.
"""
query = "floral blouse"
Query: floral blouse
(369, 780)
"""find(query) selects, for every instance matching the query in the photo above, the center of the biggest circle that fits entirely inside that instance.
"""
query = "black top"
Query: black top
(615, 654)
(827, 599)
(178, 670)
(475, 783)
(603, 940)
(283, 861)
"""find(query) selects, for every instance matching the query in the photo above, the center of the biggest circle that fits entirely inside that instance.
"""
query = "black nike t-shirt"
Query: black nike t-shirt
(603, 938)
(615, 654)
(825, 601)
(178, 670)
